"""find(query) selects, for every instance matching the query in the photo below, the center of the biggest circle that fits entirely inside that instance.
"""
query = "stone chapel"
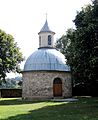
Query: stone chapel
(45, 74)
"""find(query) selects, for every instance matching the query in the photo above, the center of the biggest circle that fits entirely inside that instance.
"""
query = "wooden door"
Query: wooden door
(57, 88)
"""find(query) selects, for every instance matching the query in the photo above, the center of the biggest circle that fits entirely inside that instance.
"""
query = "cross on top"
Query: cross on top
(46, 15)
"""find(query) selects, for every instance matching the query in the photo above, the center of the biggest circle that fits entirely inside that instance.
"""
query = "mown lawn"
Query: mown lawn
(16, 109)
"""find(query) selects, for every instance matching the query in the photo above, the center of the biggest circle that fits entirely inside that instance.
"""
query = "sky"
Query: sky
(23, 19)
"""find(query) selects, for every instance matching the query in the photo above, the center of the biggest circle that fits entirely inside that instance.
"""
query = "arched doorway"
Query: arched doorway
(57, 87)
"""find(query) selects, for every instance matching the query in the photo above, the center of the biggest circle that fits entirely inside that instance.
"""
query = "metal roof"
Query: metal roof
(46, 28)
(46, 59)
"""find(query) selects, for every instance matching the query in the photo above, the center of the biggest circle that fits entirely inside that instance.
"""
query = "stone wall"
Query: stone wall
(39, 84)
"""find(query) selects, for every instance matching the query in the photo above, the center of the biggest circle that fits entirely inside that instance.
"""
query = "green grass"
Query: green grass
(16, 109)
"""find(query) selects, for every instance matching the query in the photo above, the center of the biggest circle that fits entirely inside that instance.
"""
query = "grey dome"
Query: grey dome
(46, 59)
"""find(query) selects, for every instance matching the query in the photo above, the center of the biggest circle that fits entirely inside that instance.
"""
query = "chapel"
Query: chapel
(45, 73)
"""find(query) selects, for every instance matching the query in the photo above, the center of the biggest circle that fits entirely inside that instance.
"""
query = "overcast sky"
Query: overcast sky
(23, 19)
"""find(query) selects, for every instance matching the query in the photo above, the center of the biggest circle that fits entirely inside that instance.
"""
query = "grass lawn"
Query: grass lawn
(16, 109)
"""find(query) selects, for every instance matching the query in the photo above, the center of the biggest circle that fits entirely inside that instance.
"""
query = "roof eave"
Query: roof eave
(46, 32)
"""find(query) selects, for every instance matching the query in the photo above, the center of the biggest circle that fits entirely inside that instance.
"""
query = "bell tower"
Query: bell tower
(46, 36)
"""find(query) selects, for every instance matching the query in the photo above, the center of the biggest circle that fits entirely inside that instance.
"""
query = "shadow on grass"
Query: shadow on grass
(65, 111)
(56, 112)
(15, 101)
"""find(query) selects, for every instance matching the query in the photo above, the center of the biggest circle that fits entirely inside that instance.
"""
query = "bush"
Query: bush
(85, 90)
(9, 93)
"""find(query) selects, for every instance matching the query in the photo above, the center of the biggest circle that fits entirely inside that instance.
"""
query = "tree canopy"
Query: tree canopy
(79, 46)
(10, 55)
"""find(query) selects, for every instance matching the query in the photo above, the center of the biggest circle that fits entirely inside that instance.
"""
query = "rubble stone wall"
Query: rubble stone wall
(39, 84)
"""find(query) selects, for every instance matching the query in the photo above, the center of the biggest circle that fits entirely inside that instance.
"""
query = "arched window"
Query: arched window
(39, 40)
(49, 39)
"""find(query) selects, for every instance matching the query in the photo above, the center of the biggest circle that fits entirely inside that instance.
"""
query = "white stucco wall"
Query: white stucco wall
(44, 39)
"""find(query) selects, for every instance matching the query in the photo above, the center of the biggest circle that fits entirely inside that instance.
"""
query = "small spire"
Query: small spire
(45, 27)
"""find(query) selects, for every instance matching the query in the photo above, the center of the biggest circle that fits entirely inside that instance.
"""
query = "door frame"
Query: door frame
(57, 87)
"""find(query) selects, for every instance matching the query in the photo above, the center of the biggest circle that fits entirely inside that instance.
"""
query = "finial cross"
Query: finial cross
(46, 16)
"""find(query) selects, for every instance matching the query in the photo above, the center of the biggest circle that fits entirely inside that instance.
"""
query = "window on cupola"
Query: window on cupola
(49, 39)
(39, 40)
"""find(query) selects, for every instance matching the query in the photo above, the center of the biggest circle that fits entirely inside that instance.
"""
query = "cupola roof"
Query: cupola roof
(46, 59)
(46, 28)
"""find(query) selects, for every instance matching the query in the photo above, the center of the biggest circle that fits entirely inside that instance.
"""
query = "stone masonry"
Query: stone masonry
(39, 84)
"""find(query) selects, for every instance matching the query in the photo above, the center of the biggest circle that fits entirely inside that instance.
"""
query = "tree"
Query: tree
(10, 55)
(12, 83)
(80, 49)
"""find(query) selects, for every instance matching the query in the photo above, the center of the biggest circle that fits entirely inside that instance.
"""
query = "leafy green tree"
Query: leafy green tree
(10, 55)
(11, 83)
(80, 50)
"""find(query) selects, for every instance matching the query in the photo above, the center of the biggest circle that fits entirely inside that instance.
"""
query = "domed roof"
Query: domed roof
(46, 59)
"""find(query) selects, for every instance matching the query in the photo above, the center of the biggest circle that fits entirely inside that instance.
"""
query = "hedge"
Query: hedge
(9, 93)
